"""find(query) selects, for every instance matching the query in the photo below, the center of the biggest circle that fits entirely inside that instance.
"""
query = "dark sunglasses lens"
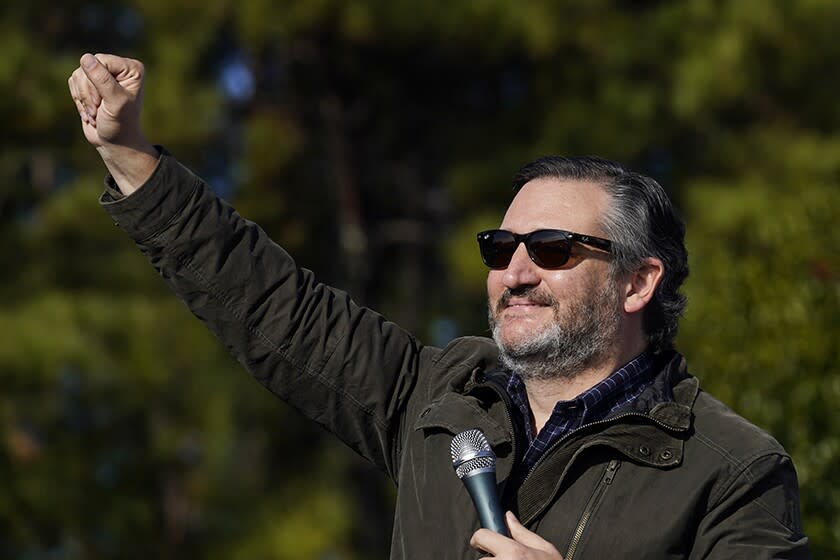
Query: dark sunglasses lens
(497, 248)
(549, 249)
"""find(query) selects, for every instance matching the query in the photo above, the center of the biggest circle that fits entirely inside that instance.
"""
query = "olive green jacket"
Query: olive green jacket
(674, 475)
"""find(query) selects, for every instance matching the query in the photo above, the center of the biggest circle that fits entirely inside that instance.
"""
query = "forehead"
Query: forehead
(550, 203)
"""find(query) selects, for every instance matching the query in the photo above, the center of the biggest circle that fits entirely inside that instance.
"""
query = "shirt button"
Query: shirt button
(644, 450)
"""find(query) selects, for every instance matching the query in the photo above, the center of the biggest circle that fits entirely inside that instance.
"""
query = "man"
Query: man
(606, 445)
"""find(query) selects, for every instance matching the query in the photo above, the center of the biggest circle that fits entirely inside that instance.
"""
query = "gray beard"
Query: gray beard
(578, 338)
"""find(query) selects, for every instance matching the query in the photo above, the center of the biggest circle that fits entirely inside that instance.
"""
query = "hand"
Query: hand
(108, 92)
(524, 544)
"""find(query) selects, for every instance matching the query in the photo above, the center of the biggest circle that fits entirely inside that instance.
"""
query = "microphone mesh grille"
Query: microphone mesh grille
(467, 444)
(470, 451)
(474, 464)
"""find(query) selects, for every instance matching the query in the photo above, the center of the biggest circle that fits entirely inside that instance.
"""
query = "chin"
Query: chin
(512, 336)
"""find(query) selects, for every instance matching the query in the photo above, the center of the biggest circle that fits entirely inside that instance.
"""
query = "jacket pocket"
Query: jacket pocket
(455, 413)
(591, 507)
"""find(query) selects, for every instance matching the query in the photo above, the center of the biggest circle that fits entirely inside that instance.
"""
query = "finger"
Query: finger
(79, 96)
(101, 78)
(523, 536)
(87, 93)
(91, 97)
(118, 65)
(74, 93)
(490, 541)
(128, 72)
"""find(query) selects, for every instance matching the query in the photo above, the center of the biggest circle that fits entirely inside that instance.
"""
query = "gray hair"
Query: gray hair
(641, 222)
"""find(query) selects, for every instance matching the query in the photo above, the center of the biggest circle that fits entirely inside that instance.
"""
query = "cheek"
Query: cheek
(495, 286)
(561, 284)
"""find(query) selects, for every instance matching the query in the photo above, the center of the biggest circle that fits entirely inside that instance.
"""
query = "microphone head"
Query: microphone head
(471, 454)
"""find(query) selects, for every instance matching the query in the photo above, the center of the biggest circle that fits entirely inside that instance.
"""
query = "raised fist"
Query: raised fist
(108, 91)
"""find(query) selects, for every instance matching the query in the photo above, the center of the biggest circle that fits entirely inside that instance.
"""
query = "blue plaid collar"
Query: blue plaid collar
(596, 403)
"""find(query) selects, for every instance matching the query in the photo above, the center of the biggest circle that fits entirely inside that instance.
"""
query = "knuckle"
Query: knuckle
(137, 67)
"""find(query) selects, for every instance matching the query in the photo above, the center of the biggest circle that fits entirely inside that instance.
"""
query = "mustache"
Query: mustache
(531, 293)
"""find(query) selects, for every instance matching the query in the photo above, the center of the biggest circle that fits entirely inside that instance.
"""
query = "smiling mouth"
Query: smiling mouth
(521, 309)
(523, 300)
(523, 304)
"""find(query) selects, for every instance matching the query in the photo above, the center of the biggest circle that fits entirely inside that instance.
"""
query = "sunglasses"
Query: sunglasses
(548, 248)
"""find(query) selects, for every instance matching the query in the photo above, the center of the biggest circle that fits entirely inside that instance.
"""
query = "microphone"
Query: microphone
(475, 464)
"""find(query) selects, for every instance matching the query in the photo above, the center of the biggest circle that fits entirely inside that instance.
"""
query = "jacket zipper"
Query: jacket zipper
(593, 504)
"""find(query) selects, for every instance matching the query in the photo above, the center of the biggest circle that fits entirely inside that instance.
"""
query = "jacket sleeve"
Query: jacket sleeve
(341, 365)
(755, 515)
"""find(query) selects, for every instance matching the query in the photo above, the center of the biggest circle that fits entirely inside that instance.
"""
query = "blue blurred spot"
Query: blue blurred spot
(236, 80)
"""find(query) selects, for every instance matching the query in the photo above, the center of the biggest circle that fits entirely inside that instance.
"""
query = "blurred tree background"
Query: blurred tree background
(373, 138)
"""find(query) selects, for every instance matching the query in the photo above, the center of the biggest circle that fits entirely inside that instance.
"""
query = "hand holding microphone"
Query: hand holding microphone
(475, 464)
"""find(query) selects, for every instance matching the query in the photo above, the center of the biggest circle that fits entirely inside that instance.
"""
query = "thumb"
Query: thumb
(100, 77)
(522, 535)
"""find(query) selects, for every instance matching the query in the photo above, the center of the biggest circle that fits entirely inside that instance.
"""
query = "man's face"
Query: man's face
(532, 310)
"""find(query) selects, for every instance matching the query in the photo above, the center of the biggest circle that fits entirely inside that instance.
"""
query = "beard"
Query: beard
(580, 335)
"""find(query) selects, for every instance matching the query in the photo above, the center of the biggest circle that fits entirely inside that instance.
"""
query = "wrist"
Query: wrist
(129, 165)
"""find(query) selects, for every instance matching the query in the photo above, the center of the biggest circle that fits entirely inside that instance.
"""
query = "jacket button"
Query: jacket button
(666, 454)
(644, 450)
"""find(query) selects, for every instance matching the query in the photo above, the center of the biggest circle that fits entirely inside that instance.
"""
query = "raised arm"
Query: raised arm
(342, 365)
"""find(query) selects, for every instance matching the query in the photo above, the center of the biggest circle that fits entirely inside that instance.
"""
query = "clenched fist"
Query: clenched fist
(108, 92)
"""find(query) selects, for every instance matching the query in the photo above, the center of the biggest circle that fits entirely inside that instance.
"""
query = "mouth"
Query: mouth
(521, 308)
(524, 300)
(521, 305)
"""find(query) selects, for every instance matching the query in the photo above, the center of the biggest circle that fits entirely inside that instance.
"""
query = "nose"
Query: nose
(521, 271)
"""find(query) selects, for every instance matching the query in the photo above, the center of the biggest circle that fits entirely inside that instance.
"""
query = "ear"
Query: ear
(641, 284)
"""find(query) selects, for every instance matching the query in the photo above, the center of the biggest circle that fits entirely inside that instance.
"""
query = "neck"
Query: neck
(543, 394)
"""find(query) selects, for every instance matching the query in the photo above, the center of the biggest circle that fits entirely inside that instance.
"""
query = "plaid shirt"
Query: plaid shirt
(617, 390)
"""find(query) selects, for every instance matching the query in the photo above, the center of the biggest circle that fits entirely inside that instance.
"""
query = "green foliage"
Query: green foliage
(378, 138)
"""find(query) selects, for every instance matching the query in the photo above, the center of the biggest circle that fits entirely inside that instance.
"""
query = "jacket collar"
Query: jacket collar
(658, 420)
(660, 416)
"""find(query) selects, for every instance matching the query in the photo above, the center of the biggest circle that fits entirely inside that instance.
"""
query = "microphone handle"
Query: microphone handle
(482, 489)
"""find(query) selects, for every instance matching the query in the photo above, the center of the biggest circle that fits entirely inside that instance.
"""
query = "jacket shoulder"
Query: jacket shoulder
(478, 349)
(734, 438)
(754, 476)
